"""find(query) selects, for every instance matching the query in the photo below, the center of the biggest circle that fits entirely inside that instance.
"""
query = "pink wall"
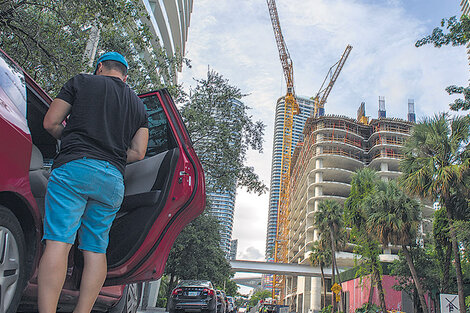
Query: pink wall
(359, 293)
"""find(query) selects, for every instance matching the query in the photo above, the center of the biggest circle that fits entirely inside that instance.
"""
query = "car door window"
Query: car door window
(13, 83)
(160, 137)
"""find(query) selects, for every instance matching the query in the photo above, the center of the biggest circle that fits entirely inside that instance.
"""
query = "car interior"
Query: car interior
(147, 182)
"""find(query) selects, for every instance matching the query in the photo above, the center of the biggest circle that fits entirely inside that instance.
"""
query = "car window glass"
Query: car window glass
(12, 82)
(195, 283)
(160, 135)
(37, 109)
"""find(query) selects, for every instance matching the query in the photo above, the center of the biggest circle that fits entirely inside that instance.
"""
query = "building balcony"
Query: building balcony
(389, 156)
(332, 174)
(333, 158)
(325, 197)
(331, 188)
(339, 127)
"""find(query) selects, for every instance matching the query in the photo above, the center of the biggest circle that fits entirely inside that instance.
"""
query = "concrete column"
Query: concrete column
(300, 291)
(384, 167)
(315, 294)
(318, 177)
(307, 292)
(318, 151)
(318, 191)
(151, 290)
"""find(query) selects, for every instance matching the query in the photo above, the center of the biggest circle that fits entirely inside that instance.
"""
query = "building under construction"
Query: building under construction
(334, 147)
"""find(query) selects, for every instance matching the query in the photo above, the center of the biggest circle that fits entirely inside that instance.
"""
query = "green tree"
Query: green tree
(363, 184)
(328, 221)
(196, 254)
(259, 295)
(443, 247)
(230, 287)
(435, 166)
(428, 274)
(222, 131)
(458, 34)
(321, 256)
(48, 39)
(393, 217)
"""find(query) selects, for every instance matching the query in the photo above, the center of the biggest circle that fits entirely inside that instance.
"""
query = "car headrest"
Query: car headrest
(37, 161)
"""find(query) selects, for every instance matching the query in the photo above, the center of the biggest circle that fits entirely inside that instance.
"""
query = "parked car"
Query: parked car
(193, 295)
(164, 192)
(221, 303)
(231, 308)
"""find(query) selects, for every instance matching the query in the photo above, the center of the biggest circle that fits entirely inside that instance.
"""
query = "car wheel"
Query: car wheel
(12, 261)
(130, 300)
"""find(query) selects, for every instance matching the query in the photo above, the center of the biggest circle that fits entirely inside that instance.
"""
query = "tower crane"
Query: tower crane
(291, 108)
(323, 93)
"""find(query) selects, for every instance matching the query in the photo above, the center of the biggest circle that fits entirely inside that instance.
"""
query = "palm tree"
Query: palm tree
(393, 217)
(328, 220)
(363, 183)
(436, 164)
(321, 256)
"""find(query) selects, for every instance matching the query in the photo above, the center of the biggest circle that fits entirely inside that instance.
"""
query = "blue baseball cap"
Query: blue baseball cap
(113, 56)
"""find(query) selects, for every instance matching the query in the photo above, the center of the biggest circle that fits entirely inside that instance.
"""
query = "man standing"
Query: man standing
(106, 127)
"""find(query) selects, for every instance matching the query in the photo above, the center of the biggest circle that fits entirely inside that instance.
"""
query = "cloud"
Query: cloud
(236, 39)
(251, 253)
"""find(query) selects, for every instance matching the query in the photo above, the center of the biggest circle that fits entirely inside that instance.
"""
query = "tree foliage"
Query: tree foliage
(394, 218)
(329, 222)
(458, 34)
(436, 165)
(428, 273)
(321, 256)
(196, 254)
(367, 249)
(222, 132)
(259, 295)
(48, 39)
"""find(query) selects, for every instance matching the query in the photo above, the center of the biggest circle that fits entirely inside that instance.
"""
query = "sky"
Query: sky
(235, 38)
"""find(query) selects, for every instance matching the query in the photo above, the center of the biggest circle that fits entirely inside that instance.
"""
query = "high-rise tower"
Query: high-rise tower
(222, 207)
(222, 202)
(306, 110)
(465, 8)
(168, 20)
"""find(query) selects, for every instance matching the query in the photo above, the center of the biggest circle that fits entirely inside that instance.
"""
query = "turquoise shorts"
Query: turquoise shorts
(83, 196)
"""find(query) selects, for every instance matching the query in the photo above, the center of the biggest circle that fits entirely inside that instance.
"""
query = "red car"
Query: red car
(164, 192)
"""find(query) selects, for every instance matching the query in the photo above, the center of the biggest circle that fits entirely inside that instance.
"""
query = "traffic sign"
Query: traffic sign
(336, 288)
(449, 303)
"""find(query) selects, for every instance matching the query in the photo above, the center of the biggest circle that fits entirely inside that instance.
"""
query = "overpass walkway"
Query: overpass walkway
(290, 269)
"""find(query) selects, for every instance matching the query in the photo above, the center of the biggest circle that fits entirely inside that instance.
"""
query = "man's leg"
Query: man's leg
(51, 276)
(93, 276)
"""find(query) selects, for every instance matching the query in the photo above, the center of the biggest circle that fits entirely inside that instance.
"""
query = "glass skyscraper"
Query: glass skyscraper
(306, 110)
(222, 202)
(222, 206)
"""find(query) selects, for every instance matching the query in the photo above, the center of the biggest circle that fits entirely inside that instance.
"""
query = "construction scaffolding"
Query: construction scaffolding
(291, 108)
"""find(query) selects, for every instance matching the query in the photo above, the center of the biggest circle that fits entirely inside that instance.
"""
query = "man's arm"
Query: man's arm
(58, 111)
(138, 146)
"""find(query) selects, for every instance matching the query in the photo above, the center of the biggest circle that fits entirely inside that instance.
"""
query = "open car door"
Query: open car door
(163, 193)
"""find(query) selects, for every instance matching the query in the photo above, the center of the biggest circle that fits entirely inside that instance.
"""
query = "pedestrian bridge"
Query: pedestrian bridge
(290, 269)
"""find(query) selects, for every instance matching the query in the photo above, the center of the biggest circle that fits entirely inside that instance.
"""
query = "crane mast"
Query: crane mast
(323, 93)
(291, 108)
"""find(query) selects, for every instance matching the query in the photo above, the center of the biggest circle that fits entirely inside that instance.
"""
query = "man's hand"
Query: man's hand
(58, 111)
(138, 146)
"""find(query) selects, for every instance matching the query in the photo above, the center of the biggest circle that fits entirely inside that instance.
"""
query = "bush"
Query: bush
(327, 309)
(368, 308)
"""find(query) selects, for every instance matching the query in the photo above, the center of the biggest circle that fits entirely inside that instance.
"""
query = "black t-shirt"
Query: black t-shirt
(105, 116)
